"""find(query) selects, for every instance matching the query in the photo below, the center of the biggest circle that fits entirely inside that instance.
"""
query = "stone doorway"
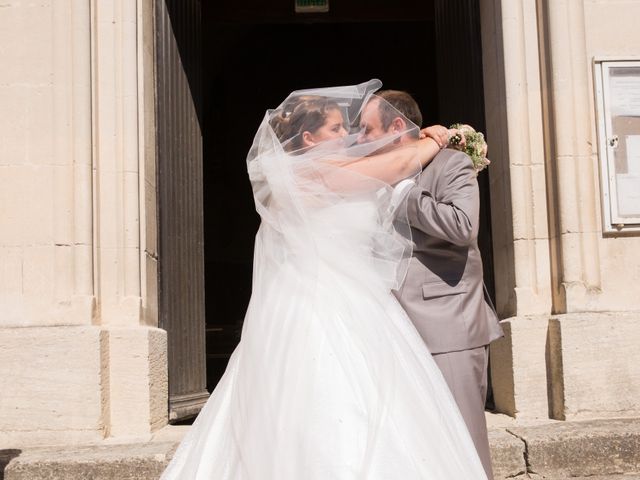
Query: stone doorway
(253, 58)
(247, 60)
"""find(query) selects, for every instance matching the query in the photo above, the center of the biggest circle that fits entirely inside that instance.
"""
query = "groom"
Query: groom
(444, 293)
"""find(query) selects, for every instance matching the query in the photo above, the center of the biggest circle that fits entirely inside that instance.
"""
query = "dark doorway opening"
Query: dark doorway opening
(252, 59)
(256, 76)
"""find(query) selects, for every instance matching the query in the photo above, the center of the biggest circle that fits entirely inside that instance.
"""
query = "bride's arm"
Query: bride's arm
(397, 164)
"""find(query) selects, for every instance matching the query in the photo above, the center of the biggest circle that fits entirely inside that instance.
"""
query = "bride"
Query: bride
(330, 379)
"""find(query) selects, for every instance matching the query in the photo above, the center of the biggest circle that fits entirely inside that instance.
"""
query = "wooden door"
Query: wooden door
(180, 205)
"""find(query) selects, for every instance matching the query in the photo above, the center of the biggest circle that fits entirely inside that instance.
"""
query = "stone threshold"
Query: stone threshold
(558, 450)
(594, 449)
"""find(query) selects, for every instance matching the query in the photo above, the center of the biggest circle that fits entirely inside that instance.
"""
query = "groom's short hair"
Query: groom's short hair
(403, 103)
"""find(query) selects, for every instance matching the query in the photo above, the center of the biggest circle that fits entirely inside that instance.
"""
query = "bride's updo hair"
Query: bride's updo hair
(306, 113)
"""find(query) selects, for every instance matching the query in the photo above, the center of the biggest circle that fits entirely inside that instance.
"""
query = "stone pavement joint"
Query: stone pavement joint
(507, 452)
(525, 451)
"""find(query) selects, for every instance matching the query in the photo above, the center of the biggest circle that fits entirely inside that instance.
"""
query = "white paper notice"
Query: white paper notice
(625, 95)
(628, 195)
(633, 154)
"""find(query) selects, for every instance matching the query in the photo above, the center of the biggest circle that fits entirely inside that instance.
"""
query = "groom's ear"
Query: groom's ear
(398, 125)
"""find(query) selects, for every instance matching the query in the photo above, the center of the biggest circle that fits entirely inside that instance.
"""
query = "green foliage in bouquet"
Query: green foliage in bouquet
(472, 143)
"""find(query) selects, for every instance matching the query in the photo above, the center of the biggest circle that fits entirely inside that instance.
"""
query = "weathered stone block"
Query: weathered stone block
(53, 379)
(138, 380)
(518, 371)
(596, 365)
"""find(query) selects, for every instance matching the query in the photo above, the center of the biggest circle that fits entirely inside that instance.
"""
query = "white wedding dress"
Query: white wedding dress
(330, 379)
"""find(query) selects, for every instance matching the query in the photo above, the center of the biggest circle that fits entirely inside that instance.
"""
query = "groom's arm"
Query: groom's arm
(454, 215)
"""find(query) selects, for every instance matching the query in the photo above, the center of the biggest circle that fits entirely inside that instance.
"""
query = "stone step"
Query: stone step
(597, 477)
(568, 449)
(609, 477)
(139, 461)
(593, 450)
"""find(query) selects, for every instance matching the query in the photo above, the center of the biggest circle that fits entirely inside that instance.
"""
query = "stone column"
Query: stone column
(565, 354)
(72, 183)
(518, 203)
(76, 135)
(55, 370)
(576, 269)
(137, 353)
(593, 359)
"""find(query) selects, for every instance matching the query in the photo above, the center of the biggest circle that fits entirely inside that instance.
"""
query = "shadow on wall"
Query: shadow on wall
(5, 457)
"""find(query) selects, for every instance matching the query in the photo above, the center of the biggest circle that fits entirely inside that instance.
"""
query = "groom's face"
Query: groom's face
(371, 122)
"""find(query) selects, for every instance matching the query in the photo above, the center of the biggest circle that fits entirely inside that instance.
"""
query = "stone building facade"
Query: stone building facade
(81, 353)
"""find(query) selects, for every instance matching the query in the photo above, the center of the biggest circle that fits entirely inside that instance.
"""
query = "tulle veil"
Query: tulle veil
(328, 369)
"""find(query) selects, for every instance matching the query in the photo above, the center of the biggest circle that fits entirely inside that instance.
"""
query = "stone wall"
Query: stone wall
(568, 294)
(80, 350)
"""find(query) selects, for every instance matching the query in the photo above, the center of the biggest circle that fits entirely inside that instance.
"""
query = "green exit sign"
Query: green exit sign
(312, 6)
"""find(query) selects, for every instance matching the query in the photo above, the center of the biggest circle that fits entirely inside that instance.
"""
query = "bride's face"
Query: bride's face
(332, 129)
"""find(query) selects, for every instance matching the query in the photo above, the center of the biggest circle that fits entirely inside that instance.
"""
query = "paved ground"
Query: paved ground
(553, 449)
(594, 450)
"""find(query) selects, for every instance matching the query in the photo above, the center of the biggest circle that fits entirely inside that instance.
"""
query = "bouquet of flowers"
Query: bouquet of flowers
(472, 143)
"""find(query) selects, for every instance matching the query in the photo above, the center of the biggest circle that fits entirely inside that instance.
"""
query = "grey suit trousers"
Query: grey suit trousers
(465, 372)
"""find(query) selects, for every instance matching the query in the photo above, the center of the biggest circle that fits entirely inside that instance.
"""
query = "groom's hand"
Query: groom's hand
(439, 133)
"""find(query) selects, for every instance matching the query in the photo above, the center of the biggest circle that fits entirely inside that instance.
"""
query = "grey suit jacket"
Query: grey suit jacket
(443, 292)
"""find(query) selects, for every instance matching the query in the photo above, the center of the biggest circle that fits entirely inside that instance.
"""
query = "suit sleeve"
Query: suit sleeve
(453, 216)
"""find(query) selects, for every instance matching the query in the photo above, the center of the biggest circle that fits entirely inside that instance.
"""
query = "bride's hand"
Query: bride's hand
(437, 132)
